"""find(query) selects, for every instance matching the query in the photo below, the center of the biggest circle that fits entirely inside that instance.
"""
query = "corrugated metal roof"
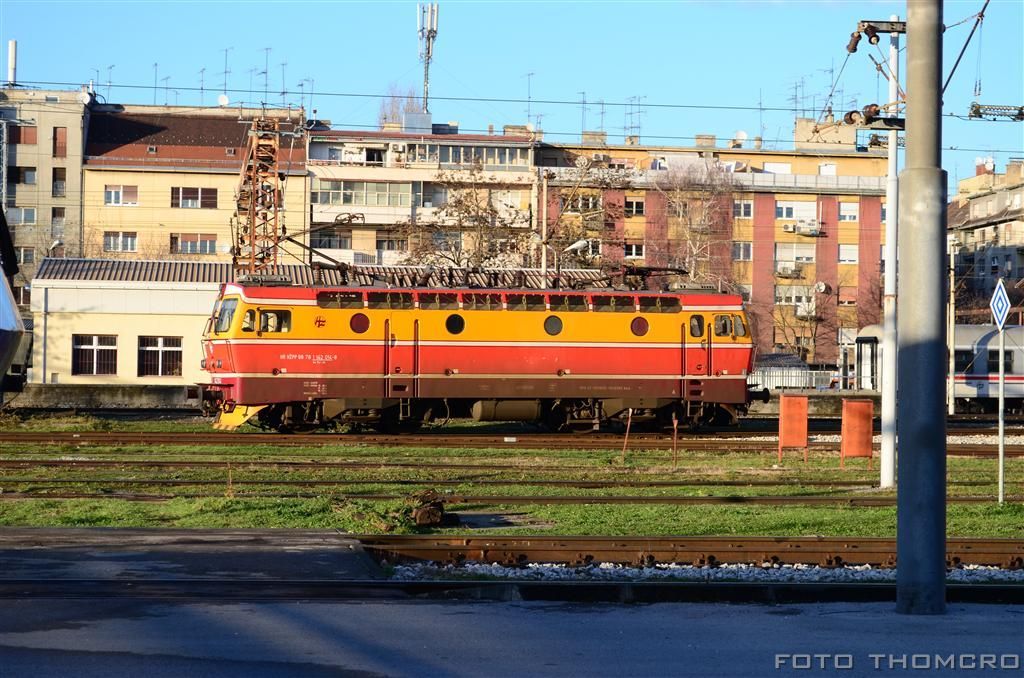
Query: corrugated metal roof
(124, 270)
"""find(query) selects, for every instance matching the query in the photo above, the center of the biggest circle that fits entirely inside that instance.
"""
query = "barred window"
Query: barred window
(93, 354)
(159, 356)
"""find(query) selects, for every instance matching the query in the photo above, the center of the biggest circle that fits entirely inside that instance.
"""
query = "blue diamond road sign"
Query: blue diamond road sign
(1000, 304)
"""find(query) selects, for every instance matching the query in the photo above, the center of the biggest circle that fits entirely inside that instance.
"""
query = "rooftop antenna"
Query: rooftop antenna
(224, 86)
(155, 65)
(284, 88)
(583, 111)
(164, 80)
(529, 81)
(266, 73)
(426, 27)
(252, 72)
(202, 85)
(600, 102)
(110, 72)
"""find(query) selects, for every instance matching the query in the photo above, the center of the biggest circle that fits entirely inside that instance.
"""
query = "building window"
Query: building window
(25, 255)
(743, 209)
(742, 250)
(193, 243)
(794, 295)
(795, 209)
(22, 295)
(60, 142)
(593, 248)
(634, 207)
(381, 194)
(393, 244)
(120, 241)
(330, 238)
(778, 167)
(57, 222)
(581, 204)
(120, 195)
(848, 254)
(883, 214)
(194, 198)
(23, 134)
(848, 211)
(94, 354)
(60, 182)
(634, 251)
(21, 215)
(795, 251)
(159, 356)
(21, 175)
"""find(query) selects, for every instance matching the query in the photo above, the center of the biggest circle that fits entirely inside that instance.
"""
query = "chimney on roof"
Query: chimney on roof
(632, 140)
(594, 138)
(490, 130)
(516, 130)
(758, 142)
(706, 140)
(983, 166)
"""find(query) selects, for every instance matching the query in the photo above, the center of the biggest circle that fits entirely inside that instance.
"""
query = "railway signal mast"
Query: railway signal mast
(257, 225)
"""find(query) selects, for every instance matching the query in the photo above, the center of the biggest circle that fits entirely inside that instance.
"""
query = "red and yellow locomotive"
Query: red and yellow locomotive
(302, 357)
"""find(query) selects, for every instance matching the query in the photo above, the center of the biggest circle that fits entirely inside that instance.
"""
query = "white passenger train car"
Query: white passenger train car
(976, 365)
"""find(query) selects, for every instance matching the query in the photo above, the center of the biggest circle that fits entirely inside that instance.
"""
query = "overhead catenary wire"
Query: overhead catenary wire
(979, 17)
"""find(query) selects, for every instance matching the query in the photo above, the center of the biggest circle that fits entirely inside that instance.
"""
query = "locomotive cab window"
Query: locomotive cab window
(275, 321)
(963, 361)
(739, 328)
(249, 321)
(225, 314)
(697, 326)
(723, 325)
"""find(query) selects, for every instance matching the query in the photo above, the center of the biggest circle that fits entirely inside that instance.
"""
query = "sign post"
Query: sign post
(1000, 306)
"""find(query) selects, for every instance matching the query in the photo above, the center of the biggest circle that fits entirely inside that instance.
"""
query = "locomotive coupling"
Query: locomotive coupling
(764, 395)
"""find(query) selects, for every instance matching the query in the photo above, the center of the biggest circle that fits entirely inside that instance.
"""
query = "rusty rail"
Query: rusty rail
(648, 551)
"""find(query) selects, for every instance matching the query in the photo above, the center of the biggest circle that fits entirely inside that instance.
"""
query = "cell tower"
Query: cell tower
(257, 229)
(426, 26)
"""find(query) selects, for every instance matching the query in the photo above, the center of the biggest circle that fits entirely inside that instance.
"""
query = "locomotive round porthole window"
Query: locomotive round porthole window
(639, 326)
(359, 323)
(455, 323)
(553, 325)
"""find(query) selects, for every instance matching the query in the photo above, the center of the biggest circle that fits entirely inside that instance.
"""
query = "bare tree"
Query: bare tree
(698, 208)
(396, 102)
(479, 222)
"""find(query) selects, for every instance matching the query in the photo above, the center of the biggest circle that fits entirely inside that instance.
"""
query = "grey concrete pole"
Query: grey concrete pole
(921, 369)
(887, 466)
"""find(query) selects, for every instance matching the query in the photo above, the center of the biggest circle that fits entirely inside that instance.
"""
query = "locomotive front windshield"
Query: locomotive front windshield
(225, 314)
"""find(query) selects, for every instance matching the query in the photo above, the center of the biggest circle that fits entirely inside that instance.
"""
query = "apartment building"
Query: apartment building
(798, 232)
(421, 192)
(41, 152)
(986, 224)
(160, 182)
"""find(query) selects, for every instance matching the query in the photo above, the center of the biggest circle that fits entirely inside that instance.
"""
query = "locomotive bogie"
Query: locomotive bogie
(552, 356)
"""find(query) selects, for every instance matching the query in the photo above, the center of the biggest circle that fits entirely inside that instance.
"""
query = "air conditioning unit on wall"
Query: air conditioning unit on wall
(789, 228)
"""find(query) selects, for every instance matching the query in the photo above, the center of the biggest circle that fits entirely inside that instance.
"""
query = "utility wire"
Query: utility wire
(977, 22)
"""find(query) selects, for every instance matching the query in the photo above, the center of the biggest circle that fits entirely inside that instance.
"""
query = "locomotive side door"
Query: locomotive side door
(697, 347)
(401, 347)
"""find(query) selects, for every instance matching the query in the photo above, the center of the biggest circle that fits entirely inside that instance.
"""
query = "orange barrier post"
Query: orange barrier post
(793, 423)
(858, 430)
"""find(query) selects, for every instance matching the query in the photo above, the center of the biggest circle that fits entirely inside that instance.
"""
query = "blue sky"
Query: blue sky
(691, 54)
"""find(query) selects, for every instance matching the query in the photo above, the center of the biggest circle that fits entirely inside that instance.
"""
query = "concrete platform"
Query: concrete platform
(119, 554)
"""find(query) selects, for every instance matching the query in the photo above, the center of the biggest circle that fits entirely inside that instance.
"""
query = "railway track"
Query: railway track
(837, 499)
(596, 441)
(700, 551)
